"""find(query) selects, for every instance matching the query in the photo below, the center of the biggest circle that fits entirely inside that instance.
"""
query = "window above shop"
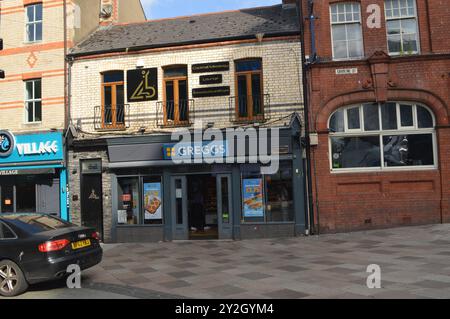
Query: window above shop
(250, 103)
(346, 31)
(382, 136)
(401, 26)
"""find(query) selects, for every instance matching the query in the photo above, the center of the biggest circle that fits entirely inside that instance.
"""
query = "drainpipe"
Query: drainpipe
(66, 122)
(308, 176)
(312, 29)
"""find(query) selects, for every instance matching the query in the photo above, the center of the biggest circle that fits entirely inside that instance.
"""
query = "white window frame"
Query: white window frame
(34, 22)
(345, 23)
(399, 18)
(32, 100)
(381, 133)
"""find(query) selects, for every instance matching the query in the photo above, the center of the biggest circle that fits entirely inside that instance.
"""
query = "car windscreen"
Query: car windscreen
(33, 224)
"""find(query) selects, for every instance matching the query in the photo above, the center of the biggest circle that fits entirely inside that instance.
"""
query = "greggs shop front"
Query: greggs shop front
(33, 174)
(156, 198)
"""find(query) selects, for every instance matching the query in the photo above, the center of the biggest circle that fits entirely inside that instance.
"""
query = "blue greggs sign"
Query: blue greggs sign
(30, 148)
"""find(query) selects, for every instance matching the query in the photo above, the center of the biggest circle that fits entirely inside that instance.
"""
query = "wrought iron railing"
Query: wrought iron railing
(250, 108)
(175, 113)
(112, 117)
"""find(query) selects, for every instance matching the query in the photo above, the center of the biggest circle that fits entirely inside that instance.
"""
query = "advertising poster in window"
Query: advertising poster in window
(152, 201)
(253, 197)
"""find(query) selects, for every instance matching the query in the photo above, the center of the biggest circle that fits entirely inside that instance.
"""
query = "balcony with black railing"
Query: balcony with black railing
(112, 117)
(175, 113)
(249, 108)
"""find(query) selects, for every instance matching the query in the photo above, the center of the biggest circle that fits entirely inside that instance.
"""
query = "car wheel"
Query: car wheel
(12, 279)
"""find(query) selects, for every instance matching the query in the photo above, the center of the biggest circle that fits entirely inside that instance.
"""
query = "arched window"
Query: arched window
(382, 136)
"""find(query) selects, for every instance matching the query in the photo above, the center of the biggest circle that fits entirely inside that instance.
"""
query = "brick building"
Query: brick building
(133, 85)
(379, 96)
(36, 35)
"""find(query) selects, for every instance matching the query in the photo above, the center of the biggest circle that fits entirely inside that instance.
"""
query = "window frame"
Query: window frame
(34, 23)
(256, 175)
(345, 23)
(250, 105)
(410, 130)
(176, 94)
(33, 100)
(140, 189)
(400, 18)
(113, 86)
(11, 230)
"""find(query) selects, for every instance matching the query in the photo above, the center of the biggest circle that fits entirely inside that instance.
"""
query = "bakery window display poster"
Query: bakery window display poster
(253, 197)
(152, 201)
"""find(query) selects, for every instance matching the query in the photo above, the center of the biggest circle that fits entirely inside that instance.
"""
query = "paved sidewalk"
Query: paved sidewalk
(414, 261)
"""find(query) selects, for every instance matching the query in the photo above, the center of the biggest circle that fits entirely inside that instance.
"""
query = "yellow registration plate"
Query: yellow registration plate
(81, 244)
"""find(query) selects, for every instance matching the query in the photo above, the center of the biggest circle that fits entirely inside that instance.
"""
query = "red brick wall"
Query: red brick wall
(351, 201)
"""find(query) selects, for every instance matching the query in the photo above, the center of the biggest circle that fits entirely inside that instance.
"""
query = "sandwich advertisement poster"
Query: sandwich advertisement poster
(152, 201)
(253, 197)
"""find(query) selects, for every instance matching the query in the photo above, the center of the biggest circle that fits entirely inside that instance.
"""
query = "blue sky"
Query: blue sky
(156, 9)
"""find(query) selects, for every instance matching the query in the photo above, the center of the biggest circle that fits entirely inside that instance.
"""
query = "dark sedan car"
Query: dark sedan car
(38, 247)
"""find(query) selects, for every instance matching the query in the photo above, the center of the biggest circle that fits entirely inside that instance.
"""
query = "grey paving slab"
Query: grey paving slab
(414, 263)
(286, 294)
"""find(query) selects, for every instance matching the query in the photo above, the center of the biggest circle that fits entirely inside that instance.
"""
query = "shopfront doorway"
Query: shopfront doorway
(201, 206)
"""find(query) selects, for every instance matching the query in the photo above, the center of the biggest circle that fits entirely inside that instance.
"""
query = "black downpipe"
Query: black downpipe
(308, 176)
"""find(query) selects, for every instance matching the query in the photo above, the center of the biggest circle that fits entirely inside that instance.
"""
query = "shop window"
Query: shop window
(176, 96)
(113, 100)
(152, 200)
(401, 26)
(7, 194)
(346, 30)
(33, 25)
(128, 208)
(279, 195)
(26, 197)
(249, 102)
(33, 101)
(389, 135)
(268, 198)
(19, 194)
(140, 200)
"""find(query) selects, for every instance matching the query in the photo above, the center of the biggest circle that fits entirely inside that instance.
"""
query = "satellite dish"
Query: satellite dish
(106, 11)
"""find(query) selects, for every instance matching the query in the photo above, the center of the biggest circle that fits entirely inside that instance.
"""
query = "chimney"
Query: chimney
(289, 3)
(109, 11)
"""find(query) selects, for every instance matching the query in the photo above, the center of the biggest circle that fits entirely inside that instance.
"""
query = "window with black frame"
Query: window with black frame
(268, 198)
(140, 200)
(128, 206)
(382, 136)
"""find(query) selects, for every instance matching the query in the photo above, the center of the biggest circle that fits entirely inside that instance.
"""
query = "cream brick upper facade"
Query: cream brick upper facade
(281, 80)
(45, 59)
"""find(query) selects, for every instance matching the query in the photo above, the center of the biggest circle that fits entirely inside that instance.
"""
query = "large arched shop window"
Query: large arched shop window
(382, 136)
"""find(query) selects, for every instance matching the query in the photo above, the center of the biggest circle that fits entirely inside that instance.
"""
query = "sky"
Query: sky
(157, 9)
